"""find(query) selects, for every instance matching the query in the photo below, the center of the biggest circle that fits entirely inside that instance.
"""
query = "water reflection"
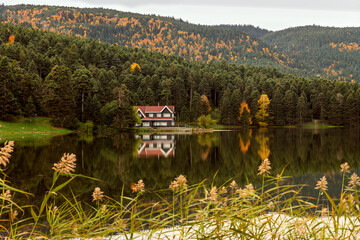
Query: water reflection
(156, 145)
(119, 161)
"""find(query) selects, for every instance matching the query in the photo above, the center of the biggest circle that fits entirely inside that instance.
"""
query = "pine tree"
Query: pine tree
(7, 99)
(59, 101)
(290, 102)
(302, 108)
(226, 109)
(351, 112)
(336, 112)
(278, 106)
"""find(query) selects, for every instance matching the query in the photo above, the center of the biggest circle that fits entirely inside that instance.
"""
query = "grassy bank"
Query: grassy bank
(272, 210)
(29, 128)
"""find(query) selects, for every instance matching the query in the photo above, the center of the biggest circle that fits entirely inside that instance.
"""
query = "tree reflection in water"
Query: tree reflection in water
(304, 153)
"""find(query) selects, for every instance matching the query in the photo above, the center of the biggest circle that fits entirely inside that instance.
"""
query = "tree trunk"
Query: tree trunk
(82, 107)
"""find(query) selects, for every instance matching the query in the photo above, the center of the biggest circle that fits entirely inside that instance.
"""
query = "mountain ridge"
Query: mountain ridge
(312, 51)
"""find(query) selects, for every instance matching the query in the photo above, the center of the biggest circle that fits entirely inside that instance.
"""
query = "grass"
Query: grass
(273, 210)
(29, 129)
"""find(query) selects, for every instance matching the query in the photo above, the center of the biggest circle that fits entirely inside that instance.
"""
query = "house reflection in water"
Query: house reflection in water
(156, 145)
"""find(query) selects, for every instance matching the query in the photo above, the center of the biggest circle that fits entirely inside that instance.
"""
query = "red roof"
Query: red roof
(155, 152)
(157, 118)
(155, 109)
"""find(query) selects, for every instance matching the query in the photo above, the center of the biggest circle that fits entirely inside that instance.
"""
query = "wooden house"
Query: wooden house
(157, 116)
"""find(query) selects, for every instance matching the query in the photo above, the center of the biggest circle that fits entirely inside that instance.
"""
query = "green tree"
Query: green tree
(278, 106)
(7, 99)
(59, 101)
(351, 111)
(336, 107)
(302, 108)
(82, 85)
(290, 103)
(205, 121)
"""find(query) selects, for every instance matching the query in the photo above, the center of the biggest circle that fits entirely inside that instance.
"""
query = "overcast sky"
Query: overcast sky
(269, 14)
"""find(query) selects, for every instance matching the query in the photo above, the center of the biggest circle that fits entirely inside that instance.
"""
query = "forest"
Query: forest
(310, 51)
(75, 79)
(163, 34)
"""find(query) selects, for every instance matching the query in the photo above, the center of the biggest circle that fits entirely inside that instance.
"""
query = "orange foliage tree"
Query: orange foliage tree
(205, 107)
(244, 114)
(11, 40)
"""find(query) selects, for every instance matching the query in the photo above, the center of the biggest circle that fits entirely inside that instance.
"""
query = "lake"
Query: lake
(304, 154)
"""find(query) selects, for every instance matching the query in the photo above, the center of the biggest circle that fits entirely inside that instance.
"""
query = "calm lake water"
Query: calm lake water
(304, 154)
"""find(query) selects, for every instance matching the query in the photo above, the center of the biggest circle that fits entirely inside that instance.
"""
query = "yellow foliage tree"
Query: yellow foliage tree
(262, 113)
(263, 143)
(134, 66)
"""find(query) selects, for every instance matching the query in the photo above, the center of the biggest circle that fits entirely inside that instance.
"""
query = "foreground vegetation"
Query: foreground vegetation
(272, 210)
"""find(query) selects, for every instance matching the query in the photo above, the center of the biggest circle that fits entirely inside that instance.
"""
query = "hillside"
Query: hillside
(73, 79)
(325, 51)
(161, 34)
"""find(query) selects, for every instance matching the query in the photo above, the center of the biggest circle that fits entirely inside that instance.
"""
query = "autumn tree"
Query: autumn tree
(205, 107)
(262, 114)
(244, 114)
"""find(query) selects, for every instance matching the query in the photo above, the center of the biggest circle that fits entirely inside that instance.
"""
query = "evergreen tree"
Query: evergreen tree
(290, 102)
(226, 107)
(59, 101)
(336, 106)
(302, 108)
(7, 99)
(277, 106)
(351, 112)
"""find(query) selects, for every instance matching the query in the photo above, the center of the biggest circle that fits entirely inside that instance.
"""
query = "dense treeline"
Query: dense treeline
(253, 31)
(73, 78)
(163, 34)
(324, 51)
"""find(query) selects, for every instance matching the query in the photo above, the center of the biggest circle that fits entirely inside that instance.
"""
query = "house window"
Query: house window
(158, 115)
(163, 123)
(151, 115)
(167, 145)
(167, 115)
(146, 124)
(146, 137)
